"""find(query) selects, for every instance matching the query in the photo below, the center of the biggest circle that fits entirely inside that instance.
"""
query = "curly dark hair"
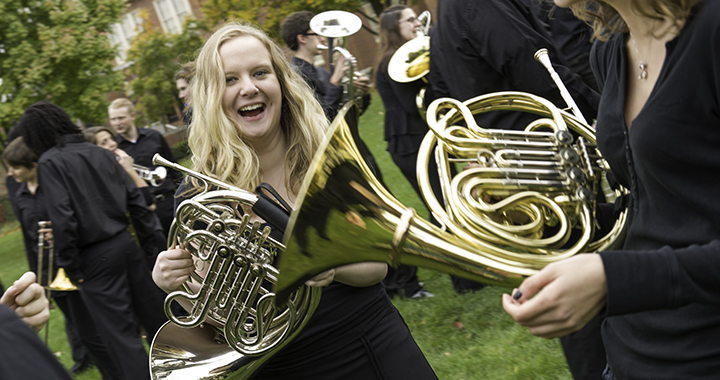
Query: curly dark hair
(296, 23)
(43, 126)
(605, 20)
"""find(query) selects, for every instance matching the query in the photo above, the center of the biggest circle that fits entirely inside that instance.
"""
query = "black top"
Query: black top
(22, 354)
(148, 143)
(664, 288)
(318, 79)
(29, 213)
(86, 195)
(482, 47)
(404, 128)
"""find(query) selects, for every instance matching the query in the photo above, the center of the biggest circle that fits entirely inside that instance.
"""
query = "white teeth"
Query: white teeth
(252, 107)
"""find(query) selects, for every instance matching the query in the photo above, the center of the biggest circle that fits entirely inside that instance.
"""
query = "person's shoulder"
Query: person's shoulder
(148, 132)
(706, 17)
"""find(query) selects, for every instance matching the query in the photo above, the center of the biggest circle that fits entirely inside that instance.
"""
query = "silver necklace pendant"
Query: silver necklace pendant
(643, 71)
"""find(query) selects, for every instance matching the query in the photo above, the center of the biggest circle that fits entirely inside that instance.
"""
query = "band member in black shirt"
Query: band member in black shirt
(22, 165)
(142, 144)
(86, 195)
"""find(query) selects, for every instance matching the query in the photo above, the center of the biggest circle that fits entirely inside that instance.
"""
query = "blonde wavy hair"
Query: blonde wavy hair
(216, 142)
(605, 20)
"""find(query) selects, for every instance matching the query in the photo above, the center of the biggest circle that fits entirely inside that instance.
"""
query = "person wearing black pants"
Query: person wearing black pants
(86, 345)
(86, 195)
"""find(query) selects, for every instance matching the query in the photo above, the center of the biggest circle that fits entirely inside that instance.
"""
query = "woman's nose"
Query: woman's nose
(248, 88)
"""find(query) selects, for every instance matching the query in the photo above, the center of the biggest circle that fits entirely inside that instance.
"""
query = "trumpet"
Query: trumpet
(234, 260)
(154, 176)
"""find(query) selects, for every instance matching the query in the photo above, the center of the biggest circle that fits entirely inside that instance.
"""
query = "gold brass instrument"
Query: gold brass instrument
(154, 176)
(528, 200)
(59, 282)
(411, 62)
(234, 325)
(425, 19)
(340, 25)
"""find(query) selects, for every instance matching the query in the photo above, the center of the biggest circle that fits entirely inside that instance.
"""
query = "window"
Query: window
(124, 32)
(172, 14)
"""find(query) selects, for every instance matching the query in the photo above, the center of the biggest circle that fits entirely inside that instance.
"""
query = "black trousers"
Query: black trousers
(165, 211)
(118, 289)
(78, 316)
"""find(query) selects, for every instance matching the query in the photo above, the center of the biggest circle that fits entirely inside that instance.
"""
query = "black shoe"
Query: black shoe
(80, 367)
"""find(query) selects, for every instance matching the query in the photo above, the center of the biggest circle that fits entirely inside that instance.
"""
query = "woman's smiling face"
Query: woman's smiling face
(252, 98)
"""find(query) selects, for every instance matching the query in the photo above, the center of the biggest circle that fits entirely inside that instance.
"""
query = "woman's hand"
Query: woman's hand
(172, 269)
(569, 293)
(358, 275)
(323, 279)
(124, 159)
(27, 299)
(47, 233)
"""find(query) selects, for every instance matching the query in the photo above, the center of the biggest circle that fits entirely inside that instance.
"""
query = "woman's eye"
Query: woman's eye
(260, 73)
(230, 80)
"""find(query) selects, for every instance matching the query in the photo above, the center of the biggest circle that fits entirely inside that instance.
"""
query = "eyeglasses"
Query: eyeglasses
(411, 20)
(309, 34)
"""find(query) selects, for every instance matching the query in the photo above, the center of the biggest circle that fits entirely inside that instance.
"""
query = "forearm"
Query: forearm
(361, 274)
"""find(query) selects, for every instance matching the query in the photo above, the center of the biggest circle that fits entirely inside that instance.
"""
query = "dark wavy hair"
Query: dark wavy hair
(390, 38)
(605, 20)
(296, 23)
(43, 126)
(90, 134)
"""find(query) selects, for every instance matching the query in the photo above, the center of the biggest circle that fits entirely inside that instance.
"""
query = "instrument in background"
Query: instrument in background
(154, 176)
(340, 25)
(529, 200)
(235, 255)
(424, 18)
(411, 62)
(543, 57)
(61, 282)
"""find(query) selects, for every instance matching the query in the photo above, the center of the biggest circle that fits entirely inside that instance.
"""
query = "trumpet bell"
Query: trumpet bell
(61, 282)
(411, 61)
(335, 24)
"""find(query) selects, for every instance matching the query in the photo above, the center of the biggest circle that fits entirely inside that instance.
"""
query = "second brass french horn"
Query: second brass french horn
(530, 200)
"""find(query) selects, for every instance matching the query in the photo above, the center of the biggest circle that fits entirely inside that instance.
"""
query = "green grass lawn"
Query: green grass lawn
(463, 336)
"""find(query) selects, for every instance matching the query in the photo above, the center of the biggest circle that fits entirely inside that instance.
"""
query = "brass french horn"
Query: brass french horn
(234, 325)
(528, 200)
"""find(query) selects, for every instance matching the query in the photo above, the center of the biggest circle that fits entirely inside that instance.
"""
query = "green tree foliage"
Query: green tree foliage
(156, 56)
(270, 13)
(57, 50)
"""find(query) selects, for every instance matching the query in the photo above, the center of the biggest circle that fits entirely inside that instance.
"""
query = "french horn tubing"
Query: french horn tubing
(234, 325)
(528, 200)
